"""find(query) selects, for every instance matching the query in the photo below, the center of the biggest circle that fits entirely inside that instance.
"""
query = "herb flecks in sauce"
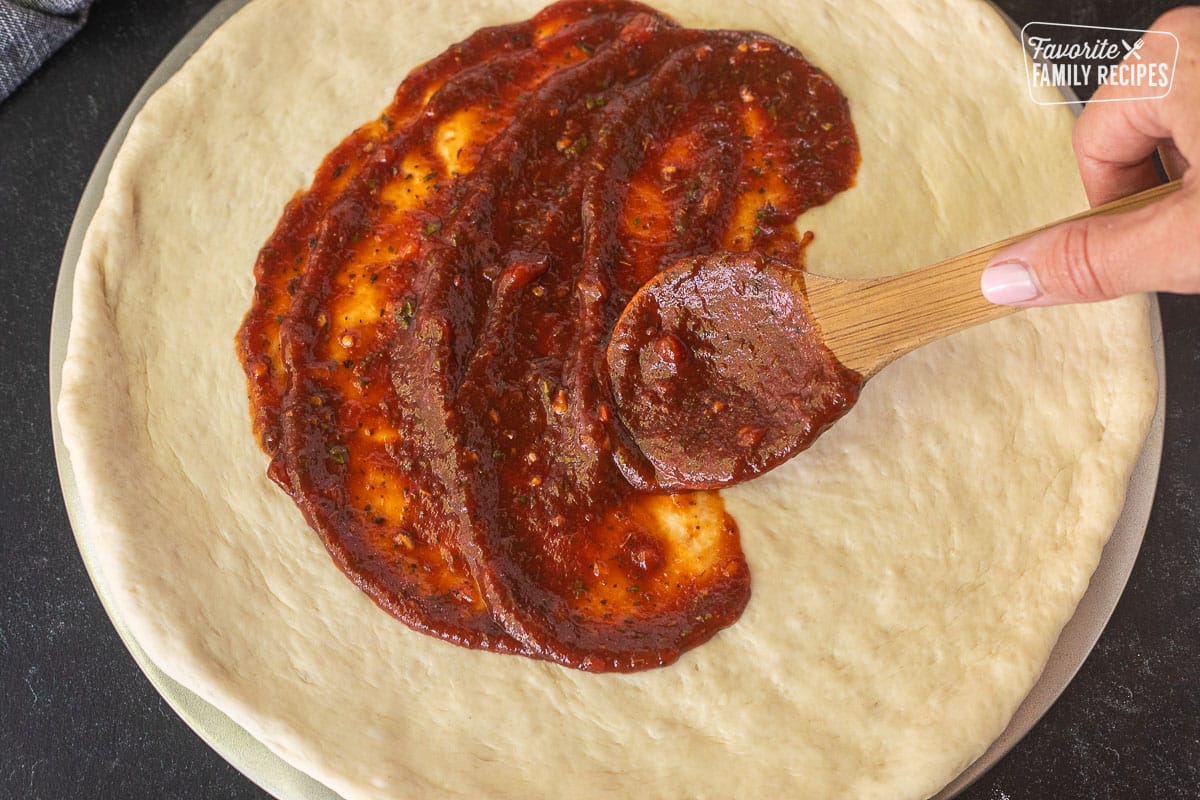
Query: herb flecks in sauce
(719, 371)
(425, 352)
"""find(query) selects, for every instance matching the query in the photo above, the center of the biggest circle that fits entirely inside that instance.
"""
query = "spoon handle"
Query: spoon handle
(869, 323)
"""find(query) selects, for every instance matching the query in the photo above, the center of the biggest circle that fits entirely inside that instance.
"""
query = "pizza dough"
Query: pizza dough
(911, 571)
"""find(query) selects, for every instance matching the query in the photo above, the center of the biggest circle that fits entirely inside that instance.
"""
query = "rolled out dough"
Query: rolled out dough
(911, 572)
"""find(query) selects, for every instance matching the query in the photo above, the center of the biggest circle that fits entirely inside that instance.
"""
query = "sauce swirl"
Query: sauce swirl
(425, 352)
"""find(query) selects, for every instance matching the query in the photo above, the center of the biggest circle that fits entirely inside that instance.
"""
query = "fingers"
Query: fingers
(1114, 145)
(1116, 136)
(1156, 248)
(1153, 248)
(1172, 160)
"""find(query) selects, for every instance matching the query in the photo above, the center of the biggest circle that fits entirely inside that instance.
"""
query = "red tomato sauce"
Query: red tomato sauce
(425, 349)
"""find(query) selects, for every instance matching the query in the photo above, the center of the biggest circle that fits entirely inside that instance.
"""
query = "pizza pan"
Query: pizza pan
(282, 780)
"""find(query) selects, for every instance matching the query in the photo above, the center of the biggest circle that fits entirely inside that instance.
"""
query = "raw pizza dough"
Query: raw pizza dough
(911, 572)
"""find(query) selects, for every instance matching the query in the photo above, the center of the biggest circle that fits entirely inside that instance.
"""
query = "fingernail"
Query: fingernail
(1008, 283)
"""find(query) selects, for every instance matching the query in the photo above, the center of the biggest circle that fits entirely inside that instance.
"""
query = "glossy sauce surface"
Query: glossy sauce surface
(719, 371)
(425, 353)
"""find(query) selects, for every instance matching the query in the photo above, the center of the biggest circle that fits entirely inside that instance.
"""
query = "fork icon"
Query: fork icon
(1132, 49)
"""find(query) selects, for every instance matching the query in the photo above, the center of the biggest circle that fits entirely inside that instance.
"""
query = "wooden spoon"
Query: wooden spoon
(725, 365)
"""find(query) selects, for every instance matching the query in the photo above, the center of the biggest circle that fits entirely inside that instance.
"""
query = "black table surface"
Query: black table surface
(78, 718)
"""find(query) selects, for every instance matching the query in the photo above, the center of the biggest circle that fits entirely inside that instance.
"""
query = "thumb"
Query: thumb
(1155, 248)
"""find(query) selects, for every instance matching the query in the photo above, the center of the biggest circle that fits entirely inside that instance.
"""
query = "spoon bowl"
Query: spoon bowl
(726, 365)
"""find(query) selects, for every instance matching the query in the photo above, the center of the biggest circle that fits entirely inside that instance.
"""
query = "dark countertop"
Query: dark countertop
(80, 720)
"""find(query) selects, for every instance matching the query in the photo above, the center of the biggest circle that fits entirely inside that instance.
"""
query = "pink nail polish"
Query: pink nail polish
(1009, 283)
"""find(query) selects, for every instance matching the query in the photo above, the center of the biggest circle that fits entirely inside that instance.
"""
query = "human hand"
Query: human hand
(1156, 248)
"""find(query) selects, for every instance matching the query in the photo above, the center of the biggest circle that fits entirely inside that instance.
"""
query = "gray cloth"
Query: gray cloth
(30, 30)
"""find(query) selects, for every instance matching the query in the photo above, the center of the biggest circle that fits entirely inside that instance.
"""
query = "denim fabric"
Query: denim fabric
(30, 30)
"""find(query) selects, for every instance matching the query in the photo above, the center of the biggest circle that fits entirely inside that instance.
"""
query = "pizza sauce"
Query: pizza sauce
(719, 372)
(425, 352)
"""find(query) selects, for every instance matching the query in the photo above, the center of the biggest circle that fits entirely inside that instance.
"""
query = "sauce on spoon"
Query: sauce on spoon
(720, 373)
